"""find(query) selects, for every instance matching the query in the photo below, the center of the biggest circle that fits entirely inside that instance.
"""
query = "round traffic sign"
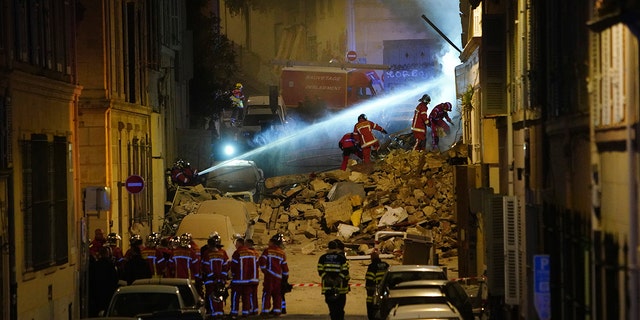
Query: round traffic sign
(134, 183)
(352, 55)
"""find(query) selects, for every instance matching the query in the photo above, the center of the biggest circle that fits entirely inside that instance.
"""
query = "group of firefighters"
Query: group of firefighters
(362, 142)
(209, 267)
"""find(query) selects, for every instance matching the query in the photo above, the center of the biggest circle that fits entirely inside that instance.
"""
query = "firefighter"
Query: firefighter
(103, 281)
(135, 266)
(273, 263)
(436, 118)
(237, 100)
(154, 256)
(368, 141)
(375, 273)
(244, 273)
(116, 251)
(135, 240)
(349, 144)
(98, 242)
(215, 271)
(334, 272)
(421, 122)
(183, 175)
(254, 285)
(184, 261)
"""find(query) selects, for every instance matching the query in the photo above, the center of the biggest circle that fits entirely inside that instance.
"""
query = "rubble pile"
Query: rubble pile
(404, 191)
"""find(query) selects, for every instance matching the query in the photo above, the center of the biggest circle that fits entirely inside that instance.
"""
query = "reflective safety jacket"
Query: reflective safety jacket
(333, 268)
(420, 118)
(273, 262)
(365, 129)
(375, 273)
(351, 139)
(215, 265)
(155, 259)
(244, 266)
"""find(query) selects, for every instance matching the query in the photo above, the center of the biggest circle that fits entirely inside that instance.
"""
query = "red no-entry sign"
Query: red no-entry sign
(352, 55)
(134, 183)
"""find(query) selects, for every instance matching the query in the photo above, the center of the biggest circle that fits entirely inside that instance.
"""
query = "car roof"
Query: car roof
(156, 288)
(424, 311)
(202, 225)
(415, 267)
(163, 281)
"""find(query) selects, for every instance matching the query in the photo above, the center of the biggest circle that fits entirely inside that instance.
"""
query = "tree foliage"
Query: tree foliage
(214, 62)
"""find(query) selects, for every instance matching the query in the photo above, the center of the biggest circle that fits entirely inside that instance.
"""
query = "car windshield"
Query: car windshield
(187, 295)
(132, 304)
(394, 278)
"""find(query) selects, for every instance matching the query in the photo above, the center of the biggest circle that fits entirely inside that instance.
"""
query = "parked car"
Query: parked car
(188, 291)
(420, 284)
(131, 301)
(402, 273)
(425, 311)
(237, 176)
(236, 210)
(425, 292)
(201, 226)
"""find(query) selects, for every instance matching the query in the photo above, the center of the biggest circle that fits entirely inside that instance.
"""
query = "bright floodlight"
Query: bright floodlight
(229, 150)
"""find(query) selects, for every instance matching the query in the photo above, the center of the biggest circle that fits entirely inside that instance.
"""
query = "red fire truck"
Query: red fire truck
(327, 88)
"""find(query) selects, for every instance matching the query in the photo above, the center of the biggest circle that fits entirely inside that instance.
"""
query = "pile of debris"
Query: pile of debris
(405, 191)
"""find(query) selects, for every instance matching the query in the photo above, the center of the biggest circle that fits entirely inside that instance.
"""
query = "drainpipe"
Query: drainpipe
(633, 206)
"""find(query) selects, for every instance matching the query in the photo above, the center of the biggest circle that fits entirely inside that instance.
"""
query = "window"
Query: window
(45, 201)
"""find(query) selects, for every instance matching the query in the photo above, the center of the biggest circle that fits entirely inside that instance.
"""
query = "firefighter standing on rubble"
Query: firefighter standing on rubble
(237, 99)
(421, 122)
(436, 118)
(369, 142)
(215, 271)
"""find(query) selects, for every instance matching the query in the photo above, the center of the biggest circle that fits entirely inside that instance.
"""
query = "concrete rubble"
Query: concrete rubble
(403, 191)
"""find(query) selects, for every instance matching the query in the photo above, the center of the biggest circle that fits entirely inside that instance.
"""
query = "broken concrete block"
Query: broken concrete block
(337, 211)
(319, 185)
(392, 216)
(308, 248)
(345, 231)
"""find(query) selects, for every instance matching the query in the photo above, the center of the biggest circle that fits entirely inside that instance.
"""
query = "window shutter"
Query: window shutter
(511, 250)
(494, 237)
(493, 66)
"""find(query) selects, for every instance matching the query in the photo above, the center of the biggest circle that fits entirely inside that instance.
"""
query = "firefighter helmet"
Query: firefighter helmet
(277, 239)
(135, 240)
(185, 240)
(112, 238)
(447, 106)
(214, 240)
(174, 242)
(238, 85)
(425, 98)
(153, 240)
(362, 117)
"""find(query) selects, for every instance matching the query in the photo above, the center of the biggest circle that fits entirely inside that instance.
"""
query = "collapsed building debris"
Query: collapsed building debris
(405, 191)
